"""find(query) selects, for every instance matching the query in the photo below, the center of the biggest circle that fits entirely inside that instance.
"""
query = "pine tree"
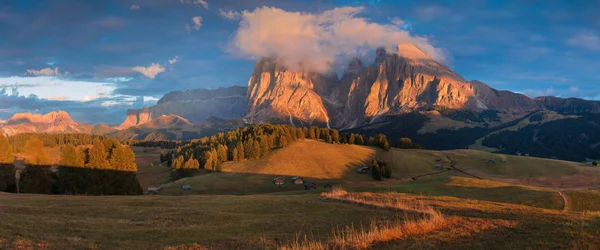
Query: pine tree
(98, 156)
(386, 145)
(360, 140)
(311, 134)
(6, 153)
(282, 141)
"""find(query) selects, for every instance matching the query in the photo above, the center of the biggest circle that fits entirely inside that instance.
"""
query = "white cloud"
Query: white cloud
(150, 71)
(397, 21)
(134, 7)
(57, 98)
(196, 2)
(197, 20)
(317, 40)
(44, 72)
(585, 39)
(174, 60)
(87, 98)
(231, 15)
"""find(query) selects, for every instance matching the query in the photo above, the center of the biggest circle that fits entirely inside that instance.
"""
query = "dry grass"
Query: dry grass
(309, 158)
(415, 219)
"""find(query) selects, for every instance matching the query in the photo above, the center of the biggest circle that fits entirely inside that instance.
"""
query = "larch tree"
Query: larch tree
(123, 159)
(71, 157)
(192, 164)
(98, 156)
(35, 153)
(6, 153)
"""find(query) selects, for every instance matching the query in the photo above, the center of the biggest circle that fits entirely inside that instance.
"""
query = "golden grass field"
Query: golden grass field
(516, 205)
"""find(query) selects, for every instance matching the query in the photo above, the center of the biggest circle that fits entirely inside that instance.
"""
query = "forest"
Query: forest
(89, 165)
(255, 141)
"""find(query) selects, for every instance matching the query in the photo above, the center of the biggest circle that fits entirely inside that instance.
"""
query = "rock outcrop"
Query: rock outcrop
(53, 122)
(394, 83)
(276, 94)
(192, 105)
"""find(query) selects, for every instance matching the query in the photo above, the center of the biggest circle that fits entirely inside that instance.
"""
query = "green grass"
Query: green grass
(447, 184)
(238, 184)
(411, 162)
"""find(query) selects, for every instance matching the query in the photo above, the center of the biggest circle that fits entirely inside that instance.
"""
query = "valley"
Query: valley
(242, 208)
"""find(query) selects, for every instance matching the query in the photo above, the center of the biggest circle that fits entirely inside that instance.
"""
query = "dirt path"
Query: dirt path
(566, 206)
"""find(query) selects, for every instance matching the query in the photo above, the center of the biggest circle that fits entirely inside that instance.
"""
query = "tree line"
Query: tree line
(105, 167)
(255, 141)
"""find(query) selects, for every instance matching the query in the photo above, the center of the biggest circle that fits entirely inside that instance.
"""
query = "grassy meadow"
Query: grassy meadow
(515, 205)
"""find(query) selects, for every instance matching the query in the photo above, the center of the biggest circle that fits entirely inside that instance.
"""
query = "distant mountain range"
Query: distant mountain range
(404, 93)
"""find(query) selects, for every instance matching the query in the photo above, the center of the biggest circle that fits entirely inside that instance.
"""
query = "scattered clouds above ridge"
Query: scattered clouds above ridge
(586, 39)
(231, 15)
(150, 71)
(196, 2)
(317, 40)
(44, 72)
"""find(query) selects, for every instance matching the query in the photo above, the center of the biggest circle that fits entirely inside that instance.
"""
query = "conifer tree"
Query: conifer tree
(192, 164)
(122, 159)
(335, 136)
(235, 154)
(240, 150)
(311, 134)
(6, 153)
(71, 157)
(98, 156)
(376, 171)
(178, 163)
(264, 146)
(36, 153)
(352, 139)
(222, 153)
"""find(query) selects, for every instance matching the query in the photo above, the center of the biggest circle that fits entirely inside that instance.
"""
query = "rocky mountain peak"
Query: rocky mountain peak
(410, 51)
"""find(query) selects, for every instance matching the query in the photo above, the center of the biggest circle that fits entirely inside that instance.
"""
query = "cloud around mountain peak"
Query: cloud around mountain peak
(318, 40)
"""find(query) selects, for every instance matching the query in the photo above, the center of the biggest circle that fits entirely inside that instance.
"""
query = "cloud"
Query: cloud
(44, 72)
(197, 20)
(196, 2)
(586, 39)
(174, 60)
(150, 71)
(231, 15)
(397, 21)
(134, 7)
(57, 98)
(317, 40)
(88, 98)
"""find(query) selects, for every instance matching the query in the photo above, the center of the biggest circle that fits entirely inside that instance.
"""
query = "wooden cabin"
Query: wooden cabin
(298, 180)
(279, 180)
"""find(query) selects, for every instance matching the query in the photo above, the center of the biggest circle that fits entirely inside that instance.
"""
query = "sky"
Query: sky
(96, 59)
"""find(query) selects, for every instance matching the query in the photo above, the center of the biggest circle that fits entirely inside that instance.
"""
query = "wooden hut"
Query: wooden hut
(279, 180)
(298, 180)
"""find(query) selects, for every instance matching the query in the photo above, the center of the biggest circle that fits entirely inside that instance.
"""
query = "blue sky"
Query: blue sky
(95, 59)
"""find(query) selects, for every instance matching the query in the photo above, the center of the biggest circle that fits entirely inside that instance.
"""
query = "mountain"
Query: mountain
(174, 127)
(395, 83)
(53, 122)
(276, 94)
(193, 105)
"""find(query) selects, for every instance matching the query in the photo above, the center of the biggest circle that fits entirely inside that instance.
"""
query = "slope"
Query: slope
(308, 158)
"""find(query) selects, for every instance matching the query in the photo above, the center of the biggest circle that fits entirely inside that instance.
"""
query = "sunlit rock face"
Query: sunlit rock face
(193, 105)
(53, 122)
(278, 94)
(404, 81)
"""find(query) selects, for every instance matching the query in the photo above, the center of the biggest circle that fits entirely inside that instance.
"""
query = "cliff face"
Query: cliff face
(395, 83)
(53, 122)
(193, 105)
(277, 94)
